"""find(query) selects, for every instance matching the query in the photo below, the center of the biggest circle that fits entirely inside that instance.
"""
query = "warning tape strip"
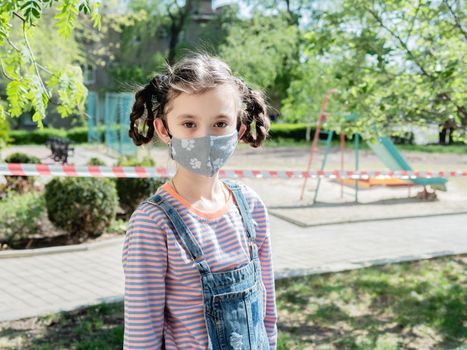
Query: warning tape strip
(141, 172)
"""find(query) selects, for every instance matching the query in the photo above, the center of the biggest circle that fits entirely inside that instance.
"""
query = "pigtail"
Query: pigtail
(255, 112)
(150, 100)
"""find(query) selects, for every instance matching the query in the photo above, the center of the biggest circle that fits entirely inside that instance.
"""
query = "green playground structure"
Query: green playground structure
(391, 157)
(384, 149)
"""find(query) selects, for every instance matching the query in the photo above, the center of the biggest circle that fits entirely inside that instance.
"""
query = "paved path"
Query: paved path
(43, 284)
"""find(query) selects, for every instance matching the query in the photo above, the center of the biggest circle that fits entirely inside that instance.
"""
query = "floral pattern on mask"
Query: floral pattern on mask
(203, 155)
(188, 144)
(195, 163)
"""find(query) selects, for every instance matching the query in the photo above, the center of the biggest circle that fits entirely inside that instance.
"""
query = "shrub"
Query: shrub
(19, 157)
(20, 184)
(294, 132)
(39, 137)
(78, 134)
(19, 215)
(95, 161)
(84, 207)
(131, 191)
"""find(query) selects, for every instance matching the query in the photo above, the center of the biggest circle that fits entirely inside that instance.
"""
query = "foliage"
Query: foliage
(21, 51)
(131, 191)
(20, 184)
(263, 57)
(95, 161)
(4, 132)
(78, 134)
(40, 136)
(19, 157)
(392, 62)
(83, 206)
(19, 215)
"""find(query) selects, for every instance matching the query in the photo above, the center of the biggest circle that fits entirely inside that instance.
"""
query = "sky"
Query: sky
(245, 11)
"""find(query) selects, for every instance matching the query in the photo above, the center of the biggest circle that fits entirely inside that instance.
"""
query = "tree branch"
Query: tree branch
(413, 22)
(4, 71)
(35, 64)
(403, 44)
(456, 19)
(17, 49)
(22, 18)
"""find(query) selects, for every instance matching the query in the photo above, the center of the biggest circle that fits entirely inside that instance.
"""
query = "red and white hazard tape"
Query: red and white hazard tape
(116, 171)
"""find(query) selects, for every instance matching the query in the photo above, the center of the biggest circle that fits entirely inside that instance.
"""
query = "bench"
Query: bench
(61, 148)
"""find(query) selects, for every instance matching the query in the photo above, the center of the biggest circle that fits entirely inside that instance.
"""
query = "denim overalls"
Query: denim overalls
(234, 300)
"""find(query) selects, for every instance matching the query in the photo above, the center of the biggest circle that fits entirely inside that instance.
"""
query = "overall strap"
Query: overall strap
(188, 240)
(246, 215)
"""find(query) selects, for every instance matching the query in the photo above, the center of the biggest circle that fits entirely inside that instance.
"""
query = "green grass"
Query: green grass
(383, 307)
(98, 327)
(411, 305)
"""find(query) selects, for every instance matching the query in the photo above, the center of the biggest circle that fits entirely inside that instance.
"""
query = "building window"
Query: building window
(89, 73)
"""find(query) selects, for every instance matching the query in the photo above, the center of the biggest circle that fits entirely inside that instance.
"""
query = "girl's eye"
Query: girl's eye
(189, 123)
(225, 124)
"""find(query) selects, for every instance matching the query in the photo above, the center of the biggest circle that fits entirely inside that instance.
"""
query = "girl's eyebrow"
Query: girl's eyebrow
(189, 116)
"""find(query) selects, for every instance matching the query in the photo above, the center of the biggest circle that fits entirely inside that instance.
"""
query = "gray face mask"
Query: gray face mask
(203, 155)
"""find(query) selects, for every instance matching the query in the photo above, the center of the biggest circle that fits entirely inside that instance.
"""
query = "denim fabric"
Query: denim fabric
(234, 300)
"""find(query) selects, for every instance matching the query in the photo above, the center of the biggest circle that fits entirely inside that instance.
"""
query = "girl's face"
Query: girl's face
(213, 112)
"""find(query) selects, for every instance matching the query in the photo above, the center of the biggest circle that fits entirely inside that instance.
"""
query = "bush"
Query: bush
(19, 215)
(131, 191)
(19, 157)
(295, 132)
(40, 137)
(78, 134)
(95, 161)
(20, 184)
(84, 207)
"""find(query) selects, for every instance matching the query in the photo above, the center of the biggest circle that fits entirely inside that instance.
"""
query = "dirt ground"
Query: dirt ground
(334, 203)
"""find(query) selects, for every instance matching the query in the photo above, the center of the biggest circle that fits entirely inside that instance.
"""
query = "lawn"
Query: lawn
(411, 305)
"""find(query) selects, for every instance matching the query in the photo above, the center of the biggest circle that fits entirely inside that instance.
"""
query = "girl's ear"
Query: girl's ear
(161, 130)
(241, 131)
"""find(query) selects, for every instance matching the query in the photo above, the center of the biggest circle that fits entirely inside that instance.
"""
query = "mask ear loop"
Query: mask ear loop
(171, 170)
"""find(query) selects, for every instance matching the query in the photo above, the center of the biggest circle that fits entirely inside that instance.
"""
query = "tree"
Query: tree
(260, 50)
(30, 82)
(394, 62)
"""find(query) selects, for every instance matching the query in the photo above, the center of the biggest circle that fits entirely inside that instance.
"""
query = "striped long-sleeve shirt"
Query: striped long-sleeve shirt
(163, 293)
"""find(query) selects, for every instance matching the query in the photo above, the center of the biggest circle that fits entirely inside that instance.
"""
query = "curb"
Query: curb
(9, 254)
(343, 222)
(359, 264)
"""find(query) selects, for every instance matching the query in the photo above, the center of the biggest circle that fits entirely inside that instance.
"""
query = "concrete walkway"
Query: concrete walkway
(46, 283)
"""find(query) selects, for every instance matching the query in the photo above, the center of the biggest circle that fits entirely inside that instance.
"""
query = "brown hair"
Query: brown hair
(196, 74)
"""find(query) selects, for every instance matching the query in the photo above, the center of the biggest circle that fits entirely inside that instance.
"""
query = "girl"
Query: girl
(197, 254)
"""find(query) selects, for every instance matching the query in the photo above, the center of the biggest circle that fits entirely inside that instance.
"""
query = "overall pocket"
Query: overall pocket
(238, 319)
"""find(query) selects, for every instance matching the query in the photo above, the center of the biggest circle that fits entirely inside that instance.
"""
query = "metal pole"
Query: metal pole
(323, 163)
(357, 143)
(342, 161)
(313, 148)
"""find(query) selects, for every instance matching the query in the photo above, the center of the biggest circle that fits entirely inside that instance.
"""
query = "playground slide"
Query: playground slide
(393, 159)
